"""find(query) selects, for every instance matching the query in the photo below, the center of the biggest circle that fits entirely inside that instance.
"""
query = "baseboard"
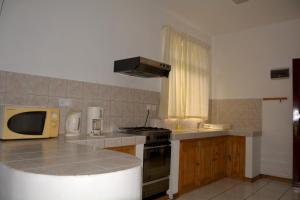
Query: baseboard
(260, 176)
(275, 178)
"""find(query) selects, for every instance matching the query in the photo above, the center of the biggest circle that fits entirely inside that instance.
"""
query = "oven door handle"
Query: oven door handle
(155, 147)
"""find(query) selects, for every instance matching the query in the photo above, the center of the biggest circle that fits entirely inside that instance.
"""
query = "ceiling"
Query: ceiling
(224, 16)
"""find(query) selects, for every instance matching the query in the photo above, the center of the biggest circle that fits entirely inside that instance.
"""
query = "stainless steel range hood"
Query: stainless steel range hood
(142, 67)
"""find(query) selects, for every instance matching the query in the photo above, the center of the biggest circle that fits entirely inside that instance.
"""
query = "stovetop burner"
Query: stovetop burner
(143, 128)
(153, 135)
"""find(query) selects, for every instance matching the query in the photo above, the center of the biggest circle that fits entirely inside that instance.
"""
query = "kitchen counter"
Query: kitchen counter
(71, 168)
(252, 151)
(69, 156)
(205, 133)
(107, 140)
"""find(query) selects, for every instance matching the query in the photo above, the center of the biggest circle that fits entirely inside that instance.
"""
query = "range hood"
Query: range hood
(142, 67)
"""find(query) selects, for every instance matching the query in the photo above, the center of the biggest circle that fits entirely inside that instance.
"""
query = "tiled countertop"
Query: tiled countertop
(205, 133)
(108, 140)
(66, 157)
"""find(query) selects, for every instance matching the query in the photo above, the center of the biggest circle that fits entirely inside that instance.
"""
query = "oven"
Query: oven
(156, 169)
(157, 157)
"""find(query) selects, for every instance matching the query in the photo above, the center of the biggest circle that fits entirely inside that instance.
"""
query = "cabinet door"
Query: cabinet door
(219, 158)
(235, 157)
(188, 165)
(205, 154)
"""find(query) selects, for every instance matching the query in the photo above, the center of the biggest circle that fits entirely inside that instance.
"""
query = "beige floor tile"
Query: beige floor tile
(241, 191)
(259, 197)
(230, 189)
(291, 195)
(273, 190)
(211, 190)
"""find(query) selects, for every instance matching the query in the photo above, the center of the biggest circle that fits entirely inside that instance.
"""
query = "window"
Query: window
(185, 94)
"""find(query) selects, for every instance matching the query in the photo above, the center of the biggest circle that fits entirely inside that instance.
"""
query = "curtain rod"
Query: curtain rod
(274, 98)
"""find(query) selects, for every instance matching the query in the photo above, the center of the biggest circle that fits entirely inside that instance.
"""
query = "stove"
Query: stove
(154, 135)
(156, 162)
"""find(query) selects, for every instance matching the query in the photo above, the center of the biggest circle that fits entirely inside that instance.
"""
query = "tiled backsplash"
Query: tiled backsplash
(243, 114)
(122, 106)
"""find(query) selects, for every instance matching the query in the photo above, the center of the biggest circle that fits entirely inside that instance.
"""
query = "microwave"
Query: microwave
(19, 122)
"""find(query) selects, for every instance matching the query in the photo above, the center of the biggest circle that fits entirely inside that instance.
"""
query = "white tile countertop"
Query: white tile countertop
(113, 139)
(70, 156)
(205, 133)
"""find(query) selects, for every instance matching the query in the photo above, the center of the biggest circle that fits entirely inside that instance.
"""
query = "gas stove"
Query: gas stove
(157, 157)
(143, 128)
(154, 135)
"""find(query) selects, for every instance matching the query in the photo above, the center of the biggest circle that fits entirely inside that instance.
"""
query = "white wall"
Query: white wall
(79, 40)
(241, 69)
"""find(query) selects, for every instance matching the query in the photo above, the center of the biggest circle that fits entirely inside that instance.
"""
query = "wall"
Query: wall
(241, 64)
(79, 40)
(243, 114)
(122, 106)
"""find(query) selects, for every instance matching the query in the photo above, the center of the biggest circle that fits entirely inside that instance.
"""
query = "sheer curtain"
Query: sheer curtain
(185, 94)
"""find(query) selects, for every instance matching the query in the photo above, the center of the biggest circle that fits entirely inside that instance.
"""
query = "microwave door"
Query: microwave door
(27, 123)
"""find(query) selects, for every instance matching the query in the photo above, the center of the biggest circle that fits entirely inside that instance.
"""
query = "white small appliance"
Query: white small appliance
(94, 120)
(73, 124)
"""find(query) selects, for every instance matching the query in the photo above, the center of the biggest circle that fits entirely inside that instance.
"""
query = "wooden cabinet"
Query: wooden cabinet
(205, 156)
(212, 159)
(219, 158)
(203, 161)
(125, 149)
(188, 165)
(235, 162)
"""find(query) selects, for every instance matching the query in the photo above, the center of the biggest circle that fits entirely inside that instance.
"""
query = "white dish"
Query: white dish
(217, 126)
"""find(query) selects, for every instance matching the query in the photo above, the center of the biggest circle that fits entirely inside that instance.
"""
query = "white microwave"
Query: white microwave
(20, 122)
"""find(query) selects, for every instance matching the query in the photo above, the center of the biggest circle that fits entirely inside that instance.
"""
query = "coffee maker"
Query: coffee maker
(94, 121)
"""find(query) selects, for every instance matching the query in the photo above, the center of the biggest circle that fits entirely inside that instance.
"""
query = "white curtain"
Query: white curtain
(185, 94)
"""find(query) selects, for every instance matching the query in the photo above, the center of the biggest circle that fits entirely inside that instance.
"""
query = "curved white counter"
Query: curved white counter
(51, 169)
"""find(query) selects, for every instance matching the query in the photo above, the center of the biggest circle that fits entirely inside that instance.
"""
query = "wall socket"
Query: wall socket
(64, 102)
(150, 107)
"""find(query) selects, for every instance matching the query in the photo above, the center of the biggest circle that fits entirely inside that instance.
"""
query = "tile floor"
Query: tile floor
(229, 189)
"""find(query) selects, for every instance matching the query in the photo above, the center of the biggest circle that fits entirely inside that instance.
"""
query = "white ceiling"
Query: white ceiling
(223, 16)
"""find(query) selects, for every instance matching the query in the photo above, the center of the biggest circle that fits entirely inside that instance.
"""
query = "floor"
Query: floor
(229, 189)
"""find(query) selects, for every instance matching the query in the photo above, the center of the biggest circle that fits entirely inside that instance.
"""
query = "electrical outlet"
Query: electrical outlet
(148, 107)
(63, 102)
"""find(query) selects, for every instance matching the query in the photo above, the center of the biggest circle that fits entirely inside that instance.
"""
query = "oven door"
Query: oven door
(156, 162)
(156, 169)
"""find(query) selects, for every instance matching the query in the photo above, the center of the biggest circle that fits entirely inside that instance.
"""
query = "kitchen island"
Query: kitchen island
(62, 169)
(201, 156)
